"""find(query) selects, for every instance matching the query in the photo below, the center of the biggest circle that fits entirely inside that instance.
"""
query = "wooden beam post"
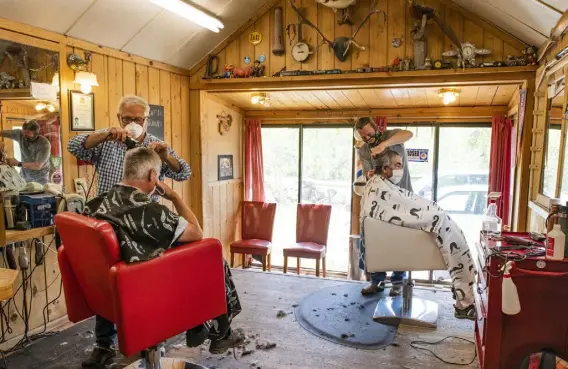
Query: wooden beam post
(525, 162)
(196, 157)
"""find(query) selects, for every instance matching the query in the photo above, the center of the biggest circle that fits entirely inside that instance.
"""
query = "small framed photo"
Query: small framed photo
(82, 111)
(225, 165)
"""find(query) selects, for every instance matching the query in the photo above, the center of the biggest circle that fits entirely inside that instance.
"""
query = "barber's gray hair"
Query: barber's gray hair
(31, 125)
(134, 100)
(139, 161)
(385, 160)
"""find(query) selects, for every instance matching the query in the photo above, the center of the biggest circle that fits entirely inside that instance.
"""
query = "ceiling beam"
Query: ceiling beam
(391, 113)
(235, 35)
(422, 78)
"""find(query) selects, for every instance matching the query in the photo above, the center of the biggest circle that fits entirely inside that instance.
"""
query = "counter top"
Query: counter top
(17, 236)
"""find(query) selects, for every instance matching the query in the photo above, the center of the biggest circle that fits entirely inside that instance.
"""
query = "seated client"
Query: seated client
(385, 201)
(145, 229)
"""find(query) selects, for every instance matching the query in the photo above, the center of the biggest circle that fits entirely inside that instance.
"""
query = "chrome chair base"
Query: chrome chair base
(406, 309)
(153, 359)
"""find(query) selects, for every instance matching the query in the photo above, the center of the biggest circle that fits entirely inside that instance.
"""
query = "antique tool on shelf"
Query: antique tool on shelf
(212, 67)
(301, 50)
(278, 39)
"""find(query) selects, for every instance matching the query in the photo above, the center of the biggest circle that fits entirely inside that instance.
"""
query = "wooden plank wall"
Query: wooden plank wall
(117, 78)
(375, 35)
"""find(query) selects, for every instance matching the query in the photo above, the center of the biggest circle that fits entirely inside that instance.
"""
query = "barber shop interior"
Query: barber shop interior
(272, 184)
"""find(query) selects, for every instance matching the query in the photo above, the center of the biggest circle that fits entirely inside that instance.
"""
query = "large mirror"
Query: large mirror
(553, 138)
(29, 111)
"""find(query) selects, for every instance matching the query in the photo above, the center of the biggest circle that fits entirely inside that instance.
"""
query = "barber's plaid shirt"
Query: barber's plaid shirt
(108, 158)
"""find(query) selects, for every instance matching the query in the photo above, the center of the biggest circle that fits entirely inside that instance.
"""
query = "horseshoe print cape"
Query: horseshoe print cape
(387, 202)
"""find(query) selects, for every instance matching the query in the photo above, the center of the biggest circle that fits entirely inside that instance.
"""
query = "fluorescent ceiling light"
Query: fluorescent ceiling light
(191, 13)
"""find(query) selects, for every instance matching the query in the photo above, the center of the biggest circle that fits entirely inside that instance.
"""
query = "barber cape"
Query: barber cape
(389, 203)
(10, 179)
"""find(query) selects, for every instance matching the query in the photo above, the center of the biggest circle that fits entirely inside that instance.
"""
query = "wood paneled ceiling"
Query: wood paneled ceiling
(470, 96)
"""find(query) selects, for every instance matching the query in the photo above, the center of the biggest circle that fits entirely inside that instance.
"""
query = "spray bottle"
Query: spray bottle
(491, 224)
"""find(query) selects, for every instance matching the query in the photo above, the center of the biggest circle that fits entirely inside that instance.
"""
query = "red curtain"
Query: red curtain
(254, 171)
(500, 164)
(381, 123)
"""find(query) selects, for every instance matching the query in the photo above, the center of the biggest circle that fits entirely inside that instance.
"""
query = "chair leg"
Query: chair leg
(264, 259)
(243, 260)
(285, 264)
(317, 267)
(232, 259)
(323, 265)
(298, 266)
(269, 262)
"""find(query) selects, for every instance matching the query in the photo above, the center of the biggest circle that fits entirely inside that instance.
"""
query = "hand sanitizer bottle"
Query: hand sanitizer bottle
(491, 224)
(555, 243)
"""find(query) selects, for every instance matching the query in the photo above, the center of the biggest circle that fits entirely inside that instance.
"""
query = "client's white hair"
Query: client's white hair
(139, 161)
(134, 100)
(385, 159)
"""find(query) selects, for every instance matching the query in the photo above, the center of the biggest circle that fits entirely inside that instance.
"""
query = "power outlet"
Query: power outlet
(81, 186)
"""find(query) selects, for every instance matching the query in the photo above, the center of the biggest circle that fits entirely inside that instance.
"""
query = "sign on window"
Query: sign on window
(417, 155)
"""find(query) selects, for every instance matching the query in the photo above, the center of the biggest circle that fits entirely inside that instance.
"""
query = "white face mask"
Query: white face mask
(134, 130)
(396, 176)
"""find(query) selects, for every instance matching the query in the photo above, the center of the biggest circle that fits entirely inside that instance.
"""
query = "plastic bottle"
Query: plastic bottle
(555, 243)
(491, 224)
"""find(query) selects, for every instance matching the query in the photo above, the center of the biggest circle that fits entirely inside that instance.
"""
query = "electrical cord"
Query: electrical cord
(414, 344)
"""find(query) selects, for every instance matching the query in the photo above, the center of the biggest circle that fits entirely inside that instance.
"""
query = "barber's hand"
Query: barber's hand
(116, 134)
(371, 173)
(377, 150)
(167, 191)
(12, 162)
(161, 148)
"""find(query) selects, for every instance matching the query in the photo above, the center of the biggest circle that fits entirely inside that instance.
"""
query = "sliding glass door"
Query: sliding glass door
(309, 165)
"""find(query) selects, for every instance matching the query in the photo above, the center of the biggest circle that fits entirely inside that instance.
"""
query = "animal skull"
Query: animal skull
(344, 7)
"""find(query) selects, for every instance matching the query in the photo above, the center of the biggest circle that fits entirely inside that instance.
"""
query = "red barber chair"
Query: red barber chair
(149, 301)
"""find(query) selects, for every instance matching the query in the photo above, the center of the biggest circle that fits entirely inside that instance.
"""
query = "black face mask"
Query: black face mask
(375, 140)
(32, 138)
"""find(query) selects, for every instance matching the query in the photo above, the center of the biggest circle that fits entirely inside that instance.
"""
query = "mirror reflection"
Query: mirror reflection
(553, 139)
(30, 122)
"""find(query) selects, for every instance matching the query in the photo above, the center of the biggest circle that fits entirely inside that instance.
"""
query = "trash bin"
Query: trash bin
(354, 272)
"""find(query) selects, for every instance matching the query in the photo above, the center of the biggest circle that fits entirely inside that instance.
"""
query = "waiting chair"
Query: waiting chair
(312, 228)
(150, 301)
(257, 226)
(390, 247)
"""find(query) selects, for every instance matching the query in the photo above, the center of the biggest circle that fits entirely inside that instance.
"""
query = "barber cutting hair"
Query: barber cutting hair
(34, 150)
(106, 148)
(375, 144)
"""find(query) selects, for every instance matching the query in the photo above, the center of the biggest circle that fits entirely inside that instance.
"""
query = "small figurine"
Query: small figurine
(257, 69)
(530, 55)
(396, 65)
(428, 63)
(467, 55)
(228, 71)
(242, 72)
(515, 61)
(406, 64)
(21, 84)
(6, 80)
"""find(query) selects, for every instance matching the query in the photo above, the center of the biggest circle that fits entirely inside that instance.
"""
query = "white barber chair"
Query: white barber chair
(390, 247)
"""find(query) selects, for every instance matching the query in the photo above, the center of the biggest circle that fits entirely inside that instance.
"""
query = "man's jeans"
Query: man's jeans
(379, 277)
(105, 332)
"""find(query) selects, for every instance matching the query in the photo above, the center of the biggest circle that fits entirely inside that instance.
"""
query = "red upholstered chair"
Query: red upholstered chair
(256, 229)
(150, 301)
(312, 226)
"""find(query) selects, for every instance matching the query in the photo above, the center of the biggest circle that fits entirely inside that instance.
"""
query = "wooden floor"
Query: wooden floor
(264, 294)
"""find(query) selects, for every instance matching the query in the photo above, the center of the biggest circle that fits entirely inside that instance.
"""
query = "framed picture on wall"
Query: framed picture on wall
(225, 165)
(82, 111)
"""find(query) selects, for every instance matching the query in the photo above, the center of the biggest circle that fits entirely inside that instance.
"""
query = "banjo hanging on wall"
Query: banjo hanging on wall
(301, 50)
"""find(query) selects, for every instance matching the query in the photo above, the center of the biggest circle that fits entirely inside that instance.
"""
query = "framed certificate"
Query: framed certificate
(82, 111)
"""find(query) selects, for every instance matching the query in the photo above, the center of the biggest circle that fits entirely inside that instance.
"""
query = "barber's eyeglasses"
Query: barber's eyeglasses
(128, 120)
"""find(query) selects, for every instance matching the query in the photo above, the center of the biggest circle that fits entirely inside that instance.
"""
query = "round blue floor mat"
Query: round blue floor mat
(342, 315)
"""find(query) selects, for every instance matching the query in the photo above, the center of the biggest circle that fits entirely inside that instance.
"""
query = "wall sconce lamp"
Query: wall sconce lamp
(82, 75)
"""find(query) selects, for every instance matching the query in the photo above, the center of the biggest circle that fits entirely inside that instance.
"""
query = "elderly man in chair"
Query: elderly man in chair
(384, 200)
(145, 229)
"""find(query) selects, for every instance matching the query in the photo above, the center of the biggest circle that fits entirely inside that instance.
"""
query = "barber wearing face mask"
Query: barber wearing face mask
(34, 151)
(106, 148)
(376, 145)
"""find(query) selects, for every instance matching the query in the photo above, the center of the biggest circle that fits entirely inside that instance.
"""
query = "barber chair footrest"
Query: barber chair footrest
(416, 312)
(166, 363)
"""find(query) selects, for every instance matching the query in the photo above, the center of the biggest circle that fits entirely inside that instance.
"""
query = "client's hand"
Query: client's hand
(166, 191)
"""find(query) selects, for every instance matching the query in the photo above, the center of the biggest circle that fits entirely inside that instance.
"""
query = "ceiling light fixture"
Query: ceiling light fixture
(260, 99)
(449, 95)
(191, 13)
(40, 106)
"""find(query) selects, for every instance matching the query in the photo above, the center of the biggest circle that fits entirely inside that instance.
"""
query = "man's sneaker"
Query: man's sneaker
(395, 290)
(466, 313)
(232, 340)
(99, 357)
(372, 289)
